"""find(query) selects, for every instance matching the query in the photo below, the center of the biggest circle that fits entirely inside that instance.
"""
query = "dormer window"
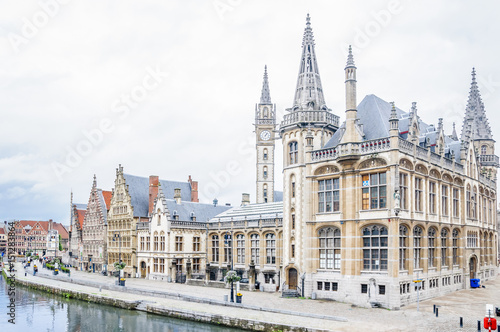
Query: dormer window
(193, 216)
(175, 215)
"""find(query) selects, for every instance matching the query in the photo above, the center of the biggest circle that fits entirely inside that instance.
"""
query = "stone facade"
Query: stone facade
(94, 230)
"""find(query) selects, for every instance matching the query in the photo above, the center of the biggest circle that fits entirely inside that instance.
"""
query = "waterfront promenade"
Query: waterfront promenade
(315, 315)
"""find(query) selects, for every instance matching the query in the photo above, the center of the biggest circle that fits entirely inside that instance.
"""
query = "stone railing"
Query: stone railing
(487, 181)
(406, 146)
(264, 122)
(143, 225)
(310, 116)
(435, 158)
(366, 147)
(421, 152)
(242, 224)
(188, 224)
(489, 160)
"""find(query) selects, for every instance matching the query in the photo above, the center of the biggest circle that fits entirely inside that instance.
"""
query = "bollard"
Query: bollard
(461, 322)
(437, 312)
(479, 325)
(434, 310)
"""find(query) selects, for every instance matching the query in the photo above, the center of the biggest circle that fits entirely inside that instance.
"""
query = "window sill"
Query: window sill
(374, 272)
(326, 213)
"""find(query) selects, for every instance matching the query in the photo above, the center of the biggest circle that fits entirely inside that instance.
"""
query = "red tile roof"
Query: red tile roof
(81, 216)
(61, 230)
(2, 231)
(107, 198)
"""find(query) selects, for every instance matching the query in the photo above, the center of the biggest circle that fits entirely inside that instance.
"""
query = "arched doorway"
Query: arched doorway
(473, 267)
(143, 269)
(292, 278)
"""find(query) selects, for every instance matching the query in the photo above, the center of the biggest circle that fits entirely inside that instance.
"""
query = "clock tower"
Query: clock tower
(265, 124)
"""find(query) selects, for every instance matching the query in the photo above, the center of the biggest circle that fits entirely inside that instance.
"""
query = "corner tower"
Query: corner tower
(308, 125)
(265, 125)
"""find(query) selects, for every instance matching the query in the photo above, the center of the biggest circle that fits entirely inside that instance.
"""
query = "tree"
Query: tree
(60, 243)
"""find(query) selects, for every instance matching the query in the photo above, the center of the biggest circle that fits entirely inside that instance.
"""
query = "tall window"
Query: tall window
(374, 191)
(456, 200)
(403, 248)
(240, 249)
(293, 220)
(293, 189)
(432, 197)
(196, 265)
(329, 248)
(148, 243)
(417, 247)
(155, 264)
(431, 237)
(474, 204)
(403, 190)
(270, 248)
(418, 194)
(375, 241)
(444, 247)
(455, 246)
(293, 152)
(215, 248)
(228, 247)
(265, 172)
(265, 154)
(255, 248)
(178, 243)
(483, 150)
(162, 241)
(196, 243)
(143, 243)
(469, 203)
(328, 195)
(162, 265)
(485, 216)
(444, 200)
(156, 242)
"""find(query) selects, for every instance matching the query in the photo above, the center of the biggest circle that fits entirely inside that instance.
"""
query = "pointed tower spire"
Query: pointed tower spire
(265, 97)
(94, 183)
(454, 133)
(309, 92)
(350, 58)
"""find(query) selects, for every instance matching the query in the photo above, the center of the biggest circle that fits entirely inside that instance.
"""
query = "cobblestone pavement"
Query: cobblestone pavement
(469, 303)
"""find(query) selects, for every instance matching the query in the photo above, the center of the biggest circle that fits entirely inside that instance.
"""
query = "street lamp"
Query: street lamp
(228, 239)
(117, 237)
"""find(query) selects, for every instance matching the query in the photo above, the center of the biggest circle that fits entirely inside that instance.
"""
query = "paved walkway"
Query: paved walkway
(468, 303)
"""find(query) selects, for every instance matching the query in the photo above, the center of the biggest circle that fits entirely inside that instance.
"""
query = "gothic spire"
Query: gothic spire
(475, 124)
(350, 59)
(309, 93)
(454, 133)
(265, 97)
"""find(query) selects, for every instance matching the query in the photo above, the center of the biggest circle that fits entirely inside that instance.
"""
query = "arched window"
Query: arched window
(483, 150)
(444, 247)
(266, 113)
(474, 204)
(469, 202)
(403, 248)
(293, 153)
(417, 247)
(329, 248)
(255, 248)
(265, 172)
(265, 193)
(240, 249)
(375, 241)
(455, 246)
(155, 247)
(162, 241)
(431, 237)
(265, 156)
(270, 248)
(215, 248)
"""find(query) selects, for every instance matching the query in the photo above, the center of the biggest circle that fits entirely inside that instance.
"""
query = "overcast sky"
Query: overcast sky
(169, 87)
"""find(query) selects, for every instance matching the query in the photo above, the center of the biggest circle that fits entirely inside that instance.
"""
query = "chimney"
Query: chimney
(50, 224)
(177, 195)
(194, 190)
(245, 199)
(153, 191)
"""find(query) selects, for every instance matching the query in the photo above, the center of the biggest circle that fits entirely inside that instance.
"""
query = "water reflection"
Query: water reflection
(37, 311)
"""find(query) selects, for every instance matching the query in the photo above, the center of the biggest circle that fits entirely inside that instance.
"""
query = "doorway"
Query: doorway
(472, 267)
(143, 269)
(292, 278)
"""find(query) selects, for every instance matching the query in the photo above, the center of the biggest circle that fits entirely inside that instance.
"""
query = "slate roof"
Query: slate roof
(202, 212)
(138, 188)
(278, 196)
(252, 212)
(373, 114)
(81, 206)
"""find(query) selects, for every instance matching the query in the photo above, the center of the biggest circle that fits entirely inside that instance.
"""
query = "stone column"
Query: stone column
(188, 269)
(207, 273)
(251, 276)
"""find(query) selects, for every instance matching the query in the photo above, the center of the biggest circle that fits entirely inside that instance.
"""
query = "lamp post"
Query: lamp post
(117, 237)
(229, 241)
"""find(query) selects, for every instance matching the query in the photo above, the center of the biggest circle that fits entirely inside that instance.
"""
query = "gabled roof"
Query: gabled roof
(80, 216)
(2, 231)
(138, 188)
(61, 230)
(202, 212)
(102, 204)
(107, 198)
(252, 212)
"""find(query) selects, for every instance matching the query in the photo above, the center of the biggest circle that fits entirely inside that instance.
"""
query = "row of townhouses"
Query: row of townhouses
(368, 206)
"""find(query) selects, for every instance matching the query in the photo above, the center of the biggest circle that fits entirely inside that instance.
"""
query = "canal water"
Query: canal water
(37, 311)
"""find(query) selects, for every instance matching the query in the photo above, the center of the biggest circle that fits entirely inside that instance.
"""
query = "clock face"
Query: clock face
(265, 135)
